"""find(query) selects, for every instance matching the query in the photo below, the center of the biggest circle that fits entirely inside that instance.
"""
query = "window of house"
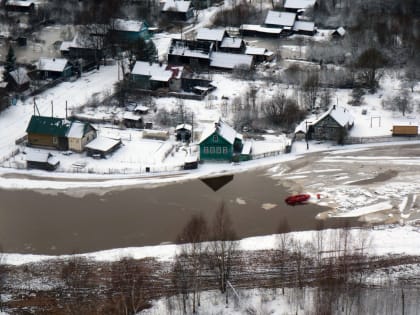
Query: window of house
(206, 150)
(211, 150)
(218, 150)
(215, 138)
(225, 150)
(55, 140)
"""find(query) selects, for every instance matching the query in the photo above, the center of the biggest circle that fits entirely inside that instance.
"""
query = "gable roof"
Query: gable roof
(211, 34)
(230, 61)
(340, 114)
(176, 6)
(285, 19)
(127, 25)
(223, 130)
(20, 76)
(231, 42)
(52, 64)
(78, 129)
(48, 126)
(156, 71)
(299, 4)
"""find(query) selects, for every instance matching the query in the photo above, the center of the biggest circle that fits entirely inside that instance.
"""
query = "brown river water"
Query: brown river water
(39, 223)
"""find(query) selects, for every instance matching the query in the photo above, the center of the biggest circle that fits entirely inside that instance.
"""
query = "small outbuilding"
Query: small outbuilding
(283, 20)
(212, 35)
(339, 32)
(183, 132)
(304, 28)
(128, 31)
(102, 146)
(41, 160)
(131, 120)
(232, 45)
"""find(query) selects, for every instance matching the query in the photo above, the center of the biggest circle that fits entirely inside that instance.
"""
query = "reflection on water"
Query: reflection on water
(216, 183)
(31, 222)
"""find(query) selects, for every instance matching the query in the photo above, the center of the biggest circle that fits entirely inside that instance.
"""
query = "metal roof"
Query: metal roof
(48, 126)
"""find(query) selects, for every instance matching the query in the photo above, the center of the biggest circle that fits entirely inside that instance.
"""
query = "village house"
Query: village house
(48, 132)
(178, 10)
(54, 68)
(283, 20)
(19, 80)
(193, 53)
(215, 36)
(234, 45)
(20, 6)
(41, 160)
(83, 46)
(79, 134)
(129, 31)
(220, 142)
(332, 125)
(153, 76)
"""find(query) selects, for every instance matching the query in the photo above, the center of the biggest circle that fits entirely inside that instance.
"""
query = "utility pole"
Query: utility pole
(52, 109)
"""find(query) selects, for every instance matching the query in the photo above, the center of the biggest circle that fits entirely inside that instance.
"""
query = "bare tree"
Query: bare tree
(369, 64)
(194, 251)
(223, 246)
(284, 243)
(310, 89)
(129, 282)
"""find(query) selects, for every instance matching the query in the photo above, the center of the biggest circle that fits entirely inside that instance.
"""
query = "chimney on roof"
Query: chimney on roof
(333, 106)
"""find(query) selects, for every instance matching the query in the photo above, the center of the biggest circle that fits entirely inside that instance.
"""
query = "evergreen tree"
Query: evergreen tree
(10, 63)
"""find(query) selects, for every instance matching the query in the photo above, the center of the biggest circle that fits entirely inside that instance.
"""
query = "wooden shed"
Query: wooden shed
(41, 160)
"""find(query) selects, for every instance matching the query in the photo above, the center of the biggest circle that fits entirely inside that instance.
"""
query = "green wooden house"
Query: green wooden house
(220, 142)
(48, 132)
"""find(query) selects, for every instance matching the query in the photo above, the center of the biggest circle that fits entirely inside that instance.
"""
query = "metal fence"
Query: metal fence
(379, 139)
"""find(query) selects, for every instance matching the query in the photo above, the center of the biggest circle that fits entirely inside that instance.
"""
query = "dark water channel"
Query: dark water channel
(33, 222)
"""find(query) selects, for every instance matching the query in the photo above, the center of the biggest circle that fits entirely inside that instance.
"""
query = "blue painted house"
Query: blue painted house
(129, 30)
(54, 68)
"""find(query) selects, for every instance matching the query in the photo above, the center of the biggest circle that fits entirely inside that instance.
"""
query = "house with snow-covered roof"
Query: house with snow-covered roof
(79, 134)
(196, 54)
(178, 10)
(228, 61)
(220, 142)
(20, 6)
(283, 20)
(54, 68)
(234, 45)
(128, 30)
(304, 28)
(153, 76)
(298, 5)
(213, 35)
(332, 125)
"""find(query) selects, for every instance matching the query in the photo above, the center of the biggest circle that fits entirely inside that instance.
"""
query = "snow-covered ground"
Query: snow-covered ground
(388, 240)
